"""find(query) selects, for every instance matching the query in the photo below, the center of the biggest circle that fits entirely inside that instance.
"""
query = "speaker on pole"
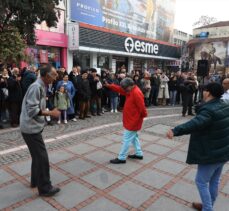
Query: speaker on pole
(202, 68)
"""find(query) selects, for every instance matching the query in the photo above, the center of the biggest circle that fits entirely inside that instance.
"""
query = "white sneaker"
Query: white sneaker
(74, 120)
(58, 122)
(116, 111)
(65, 121)
(112, 111)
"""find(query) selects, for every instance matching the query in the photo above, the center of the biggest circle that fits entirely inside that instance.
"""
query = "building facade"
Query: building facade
(181, 39)
(51, 44)
(211, 43)
(121, 34)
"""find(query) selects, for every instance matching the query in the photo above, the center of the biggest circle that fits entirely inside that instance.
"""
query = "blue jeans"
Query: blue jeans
(128, 138)
(114, 103)
(207, 181)
(173, 97)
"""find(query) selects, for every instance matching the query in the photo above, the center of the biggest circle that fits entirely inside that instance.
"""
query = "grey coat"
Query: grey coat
(33, 102)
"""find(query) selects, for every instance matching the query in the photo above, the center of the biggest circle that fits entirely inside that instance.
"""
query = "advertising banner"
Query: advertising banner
(138, 17)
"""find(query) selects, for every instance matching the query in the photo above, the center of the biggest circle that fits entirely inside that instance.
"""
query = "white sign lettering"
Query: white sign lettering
(140, 46)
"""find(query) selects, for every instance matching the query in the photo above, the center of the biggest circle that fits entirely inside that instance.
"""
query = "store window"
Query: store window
(103, 62)
(82, 59)
(44, 55)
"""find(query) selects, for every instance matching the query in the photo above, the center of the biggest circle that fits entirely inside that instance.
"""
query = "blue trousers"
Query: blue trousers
(114, 103)
(130, 137)
(207, 181)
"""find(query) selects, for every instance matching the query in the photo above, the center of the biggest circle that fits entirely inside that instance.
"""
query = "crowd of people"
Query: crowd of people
(81, 94)
(59, 94)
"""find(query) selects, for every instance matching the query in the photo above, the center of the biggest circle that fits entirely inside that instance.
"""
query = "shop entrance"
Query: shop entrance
(121, 63)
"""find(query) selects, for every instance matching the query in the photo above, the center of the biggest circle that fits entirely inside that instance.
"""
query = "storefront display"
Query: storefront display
(44, 55)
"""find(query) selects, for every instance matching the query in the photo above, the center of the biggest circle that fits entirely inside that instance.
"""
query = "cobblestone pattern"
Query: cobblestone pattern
(12, 137)
(162, 181)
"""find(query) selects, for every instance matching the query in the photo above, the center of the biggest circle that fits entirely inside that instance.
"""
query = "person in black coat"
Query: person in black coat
(84, 95)
(172, 89)
(96, 92)
(209, 143)
(3, 85)
(28, 77)
(74, 77)
(15, 97)
(187, 88)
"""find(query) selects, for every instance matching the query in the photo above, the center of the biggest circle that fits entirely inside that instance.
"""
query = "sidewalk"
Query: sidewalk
(160, 182)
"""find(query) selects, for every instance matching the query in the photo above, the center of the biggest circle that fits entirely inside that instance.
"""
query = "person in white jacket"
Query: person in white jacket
(163, 94)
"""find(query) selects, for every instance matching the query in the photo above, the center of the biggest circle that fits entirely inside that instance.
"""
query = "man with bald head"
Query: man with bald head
(32, 123)
(226, 89)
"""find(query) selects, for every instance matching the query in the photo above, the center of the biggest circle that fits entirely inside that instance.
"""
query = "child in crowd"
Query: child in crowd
(62, 103)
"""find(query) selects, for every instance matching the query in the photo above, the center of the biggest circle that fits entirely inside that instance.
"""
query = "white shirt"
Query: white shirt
(225, 96)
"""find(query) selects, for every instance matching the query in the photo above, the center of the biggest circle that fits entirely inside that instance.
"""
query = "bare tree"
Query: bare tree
(204, 20)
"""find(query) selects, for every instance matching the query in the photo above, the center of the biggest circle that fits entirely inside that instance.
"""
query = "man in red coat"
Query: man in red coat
(133, 114)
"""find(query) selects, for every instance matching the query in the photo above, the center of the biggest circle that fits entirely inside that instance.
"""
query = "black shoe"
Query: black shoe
(117, 161)
(88, 116)
(191, 114)
(135, 157)
(99, 114)
(82, 118)
(50, 123)
(33, 185)
(93, 114)
(50, 193)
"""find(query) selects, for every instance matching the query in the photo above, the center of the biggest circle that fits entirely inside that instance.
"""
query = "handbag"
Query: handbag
(5, 92)
(99, 85)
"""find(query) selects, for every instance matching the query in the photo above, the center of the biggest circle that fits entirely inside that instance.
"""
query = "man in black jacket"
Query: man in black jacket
(96, 92)
(84, 95)
(187, 87)
(209, 144)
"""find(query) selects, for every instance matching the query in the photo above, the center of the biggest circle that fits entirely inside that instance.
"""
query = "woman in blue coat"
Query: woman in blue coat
(69, 87)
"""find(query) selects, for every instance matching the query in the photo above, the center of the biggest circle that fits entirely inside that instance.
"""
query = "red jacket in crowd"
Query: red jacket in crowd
(134, 109)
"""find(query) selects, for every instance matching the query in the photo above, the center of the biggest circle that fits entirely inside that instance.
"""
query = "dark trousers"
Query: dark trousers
(96, 105)
(76, 102)
(122, 100)
(40, 175)
(187, 99)
(84, 108)
(154, 95)
(14, 110)
(178, 98)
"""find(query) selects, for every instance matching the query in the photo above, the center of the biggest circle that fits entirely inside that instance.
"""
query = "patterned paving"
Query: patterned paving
(162, 181)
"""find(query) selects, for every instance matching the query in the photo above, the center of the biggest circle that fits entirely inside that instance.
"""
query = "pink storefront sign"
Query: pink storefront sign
(51, 39)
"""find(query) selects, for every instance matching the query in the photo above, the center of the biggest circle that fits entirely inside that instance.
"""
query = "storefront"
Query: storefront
(104, 48)
(51, 48)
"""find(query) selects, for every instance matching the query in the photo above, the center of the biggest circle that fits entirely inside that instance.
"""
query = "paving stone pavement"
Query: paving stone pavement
(80, 167)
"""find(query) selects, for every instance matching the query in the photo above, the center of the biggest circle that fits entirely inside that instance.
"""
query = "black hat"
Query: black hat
(93, 70)
(83, 72)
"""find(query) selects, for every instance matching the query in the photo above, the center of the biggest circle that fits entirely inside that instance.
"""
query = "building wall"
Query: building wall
(214, 32)
(180, 37)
